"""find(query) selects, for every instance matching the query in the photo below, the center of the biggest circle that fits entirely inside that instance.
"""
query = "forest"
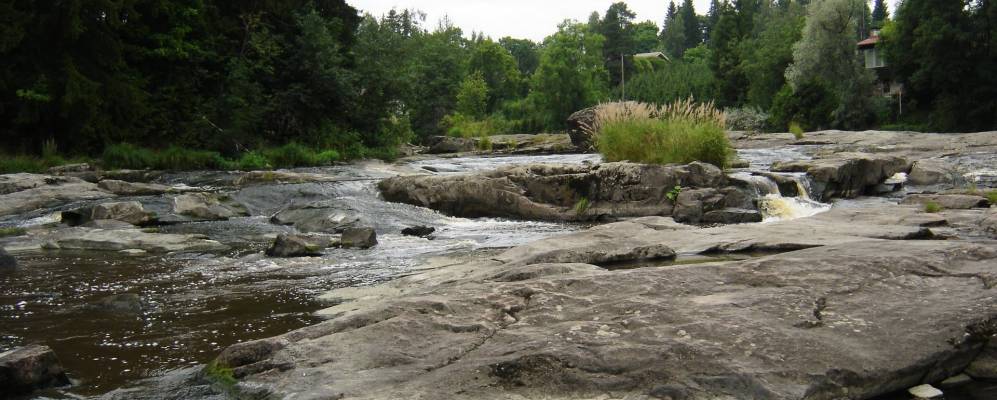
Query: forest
(249, 80)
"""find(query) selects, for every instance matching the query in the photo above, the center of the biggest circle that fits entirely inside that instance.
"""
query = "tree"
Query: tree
(526, 53)
(712, 17)
(725, 59)
(826, 53)
(766, 56)
(617, 29)
(571, 75)
(439, 67)
(472, 97)
(690, 26)
(645, 37)
(944, 53)
(673, 36)
(498, 68)
(879, 13)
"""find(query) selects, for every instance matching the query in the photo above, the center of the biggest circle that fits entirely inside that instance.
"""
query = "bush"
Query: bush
(796, 130)
(181, 159)
(679, 80)
(681, 132)
(127, 156)
(11, 231)
(932, 207)
(253, 161)
(991, 197)
(746, 119)
(12, 164)
(460, 125)
(811, 105)
(290, 155)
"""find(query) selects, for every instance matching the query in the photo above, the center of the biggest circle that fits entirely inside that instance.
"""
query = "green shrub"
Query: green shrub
(326, 157)
(460, 125)
(932, 207)
(811, 105)
(290, 155)
(182, 159)
(991, 196)
(746, 119)
(253, 161)
(673, 194)
(582, 206)
(682, 132)
(20, 163)
(127, 156)
(484, 143)
(796, 130)
(11, 231)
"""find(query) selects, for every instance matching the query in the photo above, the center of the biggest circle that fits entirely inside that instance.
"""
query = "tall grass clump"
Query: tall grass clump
(295, 155)
(680, 132)
(127, 156)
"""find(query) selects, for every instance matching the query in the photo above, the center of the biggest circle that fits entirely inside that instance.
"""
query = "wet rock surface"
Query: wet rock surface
(298, 245)
(7, 262)
(80, 238)
(359, 238)
(130, 212)
(123, 188)
(25, 369)
(20, 193)
(847, 175)
(849, 306)
(949, 201)
(565, 192)
(208, 206)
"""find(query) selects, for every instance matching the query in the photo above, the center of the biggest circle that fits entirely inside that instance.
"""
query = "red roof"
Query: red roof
(871, 41)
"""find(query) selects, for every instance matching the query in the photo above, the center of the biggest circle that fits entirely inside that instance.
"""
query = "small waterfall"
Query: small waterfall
(774, 205)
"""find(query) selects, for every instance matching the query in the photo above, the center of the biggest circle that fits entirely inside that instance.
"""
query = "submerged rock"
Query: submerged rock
(7, 262)
(566, 192)
(360, 238)
(124, 303)
(419, 231)
(298, 246)
(208, 206)
(28, 368)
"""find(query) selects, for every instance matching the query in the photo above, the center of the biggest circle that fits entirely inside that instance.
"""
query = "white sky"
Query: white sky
(531, 19)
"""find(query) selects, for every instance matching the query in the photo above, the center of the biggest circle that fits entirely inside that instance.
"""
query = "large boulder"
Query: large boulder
(208, 206)
(360, 238)
(329, 216)
(847, 175)
(449, 144)
(25, 369)
(948, 201)
(848, 309)
(578, 122)
(7, 262)
(562, 192)
(122, 188)
(298, 246)
(131, 212)
(79, 238)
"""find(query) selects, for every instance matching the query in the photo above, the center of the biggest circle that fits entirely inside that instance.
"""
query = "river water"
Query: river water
(195, 305)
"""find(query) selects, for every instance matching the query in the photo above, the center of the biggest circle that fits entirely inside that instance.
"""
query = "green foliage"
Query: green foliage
(220, 374)
(678, 133)
(128, 156)
(991, 196)
(677, 81)
(459, 125)
(571, 75)
(484, 143)
(497, 68)
(582, 206)
(746, 119)
(766, 56)
(296, 155)
(932, 207)
(526, 53)
(472, 97)
(673, 194)
(796, 130)
(12, 231)
(178, 158)
(943, 52)
(811, 105)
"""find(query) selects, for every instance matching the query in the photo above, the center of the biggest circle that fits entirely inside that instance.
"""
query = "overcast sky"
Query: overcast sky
(531, 19)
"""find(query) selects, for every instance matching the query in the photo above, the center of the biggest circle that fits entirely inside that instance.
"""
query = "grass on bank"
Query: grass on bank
(12, 231)
(681, 132)
(932, 207)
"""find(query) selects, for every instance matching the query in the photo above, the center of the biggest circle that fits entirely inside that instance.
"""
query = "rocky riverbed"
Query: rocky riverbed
(812, 272)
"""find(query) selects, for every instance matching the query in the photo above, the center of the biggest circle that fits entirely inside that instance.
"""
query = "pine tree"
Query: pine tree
(879, 13)
(693, 34)
(712, 17)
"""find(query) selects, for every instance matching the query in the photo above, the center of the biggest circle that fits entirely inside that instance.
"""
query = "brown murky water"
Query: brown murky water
(191, 311)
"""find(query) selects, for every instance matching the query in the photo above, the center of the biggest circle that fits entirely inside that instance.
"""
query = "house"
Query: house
(653, 55)
(875, 60)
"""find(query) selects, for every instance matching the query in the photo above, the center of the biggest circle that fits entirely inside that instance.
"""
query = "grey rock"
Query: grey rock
(122, 188)
(360, 238)
(984, 367)
(932, 172)
(925, 392)
(79, 238)
(129, 303)
(847, 175)
(732, 216)
(70, 168)
(28, 368)
(131, 212)
(948, 201)
(553, 192)
(106, 224)
(208, 206)
(850, 309)
(21, 193)
(956, 381)
(7, 262)
(448, 144)
(298, 246)
(329, 216)
(419, 231)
